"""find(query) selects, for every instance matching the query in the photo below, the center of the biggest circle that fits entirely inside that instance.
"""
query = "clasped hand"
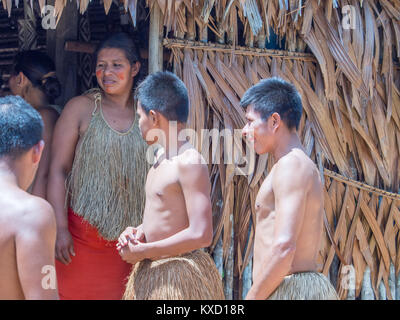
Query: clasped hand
(130, 245)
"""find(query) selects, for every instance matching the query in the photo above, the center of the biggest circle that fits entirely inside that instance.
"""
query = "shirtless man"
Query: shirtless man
(289, 205)
(28, 228)
(177, 217)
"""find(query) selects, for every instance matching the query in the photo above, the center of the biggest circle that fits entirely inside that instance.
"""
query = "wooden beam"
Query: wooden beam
(79, 46)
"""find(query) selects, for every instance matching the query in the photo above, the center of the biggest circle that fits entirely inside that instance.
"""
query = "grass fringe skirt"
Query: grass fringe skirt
(305, 286)
(191, 276)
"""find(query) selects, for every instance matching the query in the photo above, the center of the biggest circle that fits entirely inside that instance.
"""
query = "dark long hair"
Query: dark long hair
(39, 68)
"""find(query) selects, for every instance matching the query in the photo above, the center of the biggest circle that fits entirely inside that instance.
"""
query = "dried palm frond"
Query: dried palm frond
(350, 131)
(350, 91)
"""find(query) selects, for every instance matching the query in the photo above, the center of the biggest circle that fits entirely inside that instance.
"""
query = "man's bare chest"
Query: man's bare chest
(265, 200)
(162, 181)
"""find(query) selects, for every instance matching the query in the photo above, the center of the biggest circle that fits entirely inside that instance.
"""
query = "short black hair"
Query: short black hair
(275, 95)
(21, 126)
(164, 92)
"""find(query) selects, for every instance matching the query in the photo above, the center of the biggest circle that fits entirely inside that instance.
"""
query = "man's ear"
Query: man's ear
(37, 150)
(154, 117)
(135, 69)
(275, 121)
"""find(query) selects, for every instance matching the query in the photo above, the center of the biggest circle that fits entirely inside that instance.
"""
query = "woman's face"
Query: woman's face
(114, 72)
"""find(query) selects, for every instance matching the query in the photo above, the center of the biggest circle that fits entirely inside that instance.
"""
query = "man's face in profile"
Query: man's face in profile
(148, 125)
(258, 131)
(144, 121)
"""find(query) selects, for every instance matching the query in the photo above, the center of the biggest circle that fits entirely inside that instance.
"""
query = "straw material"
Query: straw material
(355, 82)
(108, 176)
(366, 232)
(350, 86)
(305, 286)
(350, 128)
(191, 276)
(82, 6)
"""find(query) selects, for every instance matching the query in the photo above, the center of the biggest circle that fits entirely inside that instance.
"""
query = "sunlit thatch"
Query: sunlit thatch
(349, 80)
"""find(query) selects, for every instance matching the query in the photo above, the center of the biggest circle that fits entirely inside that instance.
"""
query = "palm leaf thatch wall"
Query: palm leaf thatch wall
(349, 80)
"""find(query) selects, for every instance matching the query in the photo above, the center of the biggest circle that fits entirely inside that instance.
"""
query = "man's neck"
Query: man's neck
(7, 174)
(287, 143)
(172, 144)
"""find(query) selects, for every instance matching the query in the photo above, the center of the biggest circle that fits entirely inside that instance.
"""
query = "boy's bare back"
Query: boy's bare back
(27, 240)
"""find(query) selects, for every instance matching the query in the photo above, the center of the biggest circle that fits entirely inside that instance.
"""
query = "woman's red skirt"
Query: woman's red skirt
(97, 271)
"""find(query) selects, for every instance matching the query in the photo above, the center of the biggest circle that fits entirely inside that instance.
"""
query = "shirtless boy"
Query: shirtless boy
(289, 205)
(177, 219)
(28, 229)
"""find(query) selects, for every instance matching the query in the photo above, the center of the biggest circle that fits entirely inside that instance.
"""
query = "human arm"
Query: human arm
(65, 139)
(290, 184)
(195, 186)
(34, 243)
(39, 186)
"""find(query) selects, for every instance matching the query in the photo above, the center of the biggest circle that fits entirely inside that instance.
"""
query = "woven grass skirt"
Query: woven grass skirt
(305, 286)
(191, 276)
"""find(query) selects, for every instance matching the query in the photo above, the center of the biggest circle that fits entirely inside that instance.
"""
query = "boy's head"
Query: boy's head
(21, 144)
(162, 97)
(270, 105)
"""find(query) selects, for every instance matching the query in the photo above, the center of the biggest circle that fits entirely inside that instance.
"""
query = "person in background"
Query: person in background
(33, 77)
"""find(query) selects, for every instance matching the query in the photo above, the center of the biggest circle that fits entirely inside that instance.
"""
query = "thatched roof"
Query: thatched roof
(82, 5)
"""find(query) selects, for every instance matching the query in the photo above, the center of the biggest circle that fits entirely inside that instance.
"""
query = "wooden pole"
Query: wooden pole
(261, 39)
(66, 62)
(232, 29)
(155, 39)
(191, 25)
(204, 34)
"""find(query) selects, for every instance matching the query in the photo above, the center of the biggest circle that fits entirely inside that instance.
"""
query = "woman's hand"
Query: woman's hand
(64, 246)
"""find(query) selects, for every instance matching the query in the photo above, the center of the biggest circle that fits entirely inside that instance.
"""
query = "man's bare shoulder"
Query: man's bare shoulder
(193, 171)
(36, 214)
(190, 156)
(295, 168)
(24, 212)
